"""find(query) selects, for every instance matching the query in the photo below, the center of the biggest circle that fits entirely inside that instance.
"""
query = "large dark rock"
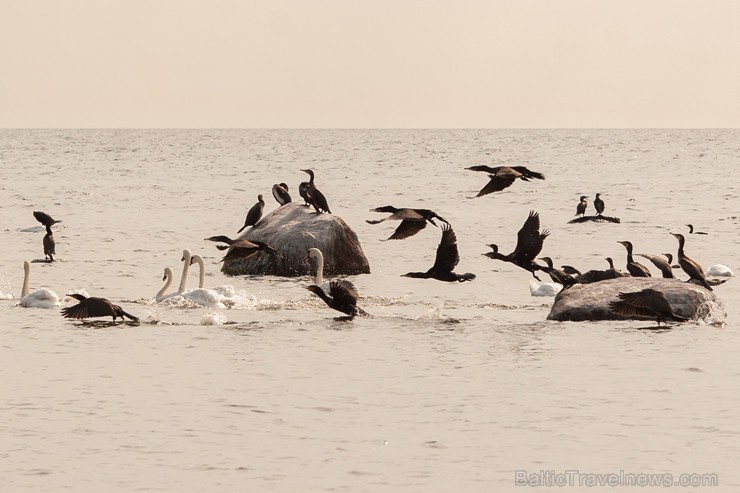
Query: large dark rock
(591, 301)
(291, 230)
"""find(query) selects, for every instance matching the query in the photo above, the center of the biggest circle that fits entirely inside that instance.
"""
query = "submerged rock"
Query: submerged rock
(591, 301)
(291, 230)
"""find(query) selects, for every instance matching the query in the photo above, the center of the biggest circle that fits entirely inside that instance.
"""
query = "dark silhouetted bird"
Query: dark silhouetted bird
(663, 266)
(646, 303)
(48, 241)
(636, 269)
(254, 214)
(502, 177)
(558, 275)
(280, 192)
(446, 260)
(581, 207)
(528, 246)
(312, 195)
(412, 220)
(598, 204)
(95, 307)
(690, 267)
(692, 232)
(342, 297)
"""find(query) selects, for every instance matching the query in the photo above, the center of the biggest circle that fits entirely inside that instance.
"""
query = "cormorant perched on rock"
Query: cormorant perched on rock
(528, 246)
(636, 269)
(569, 269)
(94, 307)
(254, 214)
(646, 303)
(558, 275)
(504, 176)
(312, 195)
(581, 207)
(412, 220)
(662, 265)
(241, 249)
(48, 241)
(342, 297)
(598, 204)
(280, 192)
(692, 232)
(689, 266)
(600, 275)
(446, 260)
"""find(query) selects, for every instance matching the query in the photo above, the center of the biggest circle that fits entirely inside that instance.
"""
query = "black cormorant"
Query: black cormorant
(504, 176)
(692, 232)
(689, 266)
(342, 297)
(280, 192)
(569, 269)
(663, 266)
(412, 220)
(254, 214)
(45, 218)
(241, 249)
(596, 275)
(48, 241)
(636, 269)
(94, 307)
(446, 260)
(528, 246)
(646, 303)
(598, 204)
(581, 207)
(558, 275)
(312, 194)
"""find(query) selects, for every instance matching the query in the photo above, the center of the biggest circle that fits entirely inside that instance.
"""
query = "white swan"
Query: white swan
(318, 277)
(200, 296)
(544, 288)
(41, 298)
(226, 290)
(162, 293)
(720, 270)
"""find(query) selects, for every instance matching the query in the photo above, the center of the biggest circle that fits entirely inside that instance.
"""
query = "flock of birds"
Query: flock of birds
(341, 294)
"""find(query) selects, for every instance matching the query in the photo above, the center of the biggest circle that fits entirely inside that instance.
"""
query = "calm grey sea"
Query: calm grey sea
(451, 387)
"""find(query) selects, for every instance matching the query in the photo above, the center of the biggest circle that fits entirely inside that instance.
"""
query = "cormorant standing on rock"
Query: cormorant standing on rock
(689, 266)
(636, 269)
(446, 260)
(581, 207)
(558, 275)
(662, 265)
(95, 307)
(646, 303)
(254, 214)
(280, 192)
(312, 195)
(504, 176)
(528, 246)
(598, 204)
(412, 220)
(342, 297)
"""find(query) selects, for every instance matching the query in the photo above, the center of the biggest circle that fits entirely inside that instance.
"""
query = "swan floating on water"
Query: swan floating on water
(41, 298)
(720, 270)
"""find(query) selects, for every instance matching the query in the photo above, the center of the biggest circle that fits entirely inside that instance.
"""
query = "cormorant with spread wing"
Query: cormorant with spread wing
(502, 177)
(89, 307)
(342, 297)
(412, 220)
(446, 260)
(528, 246)
(241, 249)
(646, 303)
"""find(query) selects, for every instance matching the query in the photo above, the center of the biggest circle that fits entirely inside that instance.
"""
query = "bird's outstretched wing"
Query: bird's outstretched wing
(529, 239)
(496, 184)
(528, 173)
(343, 292)
(89, 308)
(647, 303)
(44, 218)
(447, 254)
(408, 228)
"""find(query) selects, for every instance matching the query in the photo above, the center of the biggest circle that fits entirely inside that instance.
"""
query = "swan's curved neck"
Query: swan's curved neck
(167, 283)
(26, 273)
(318, 278)
(185, 268)
(202, 273)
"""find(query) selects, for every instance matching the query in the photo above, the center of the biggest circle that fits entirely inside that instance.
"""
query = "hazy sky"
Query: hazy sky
(372, 63)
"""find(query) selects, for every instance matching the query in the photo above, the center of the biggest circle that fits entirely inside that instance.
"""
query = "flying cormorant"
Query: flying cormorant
(280, 192)
(528, 246)
(412, 220)
(48, 241)
(312, 195)
(636, 269)
(94, 307)
(689, 266)
(504, 176)
(342, 297)
(581, 207)
(598, 204)
(446, 260)
(241, 249)
(646, 303)
(254, 214)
